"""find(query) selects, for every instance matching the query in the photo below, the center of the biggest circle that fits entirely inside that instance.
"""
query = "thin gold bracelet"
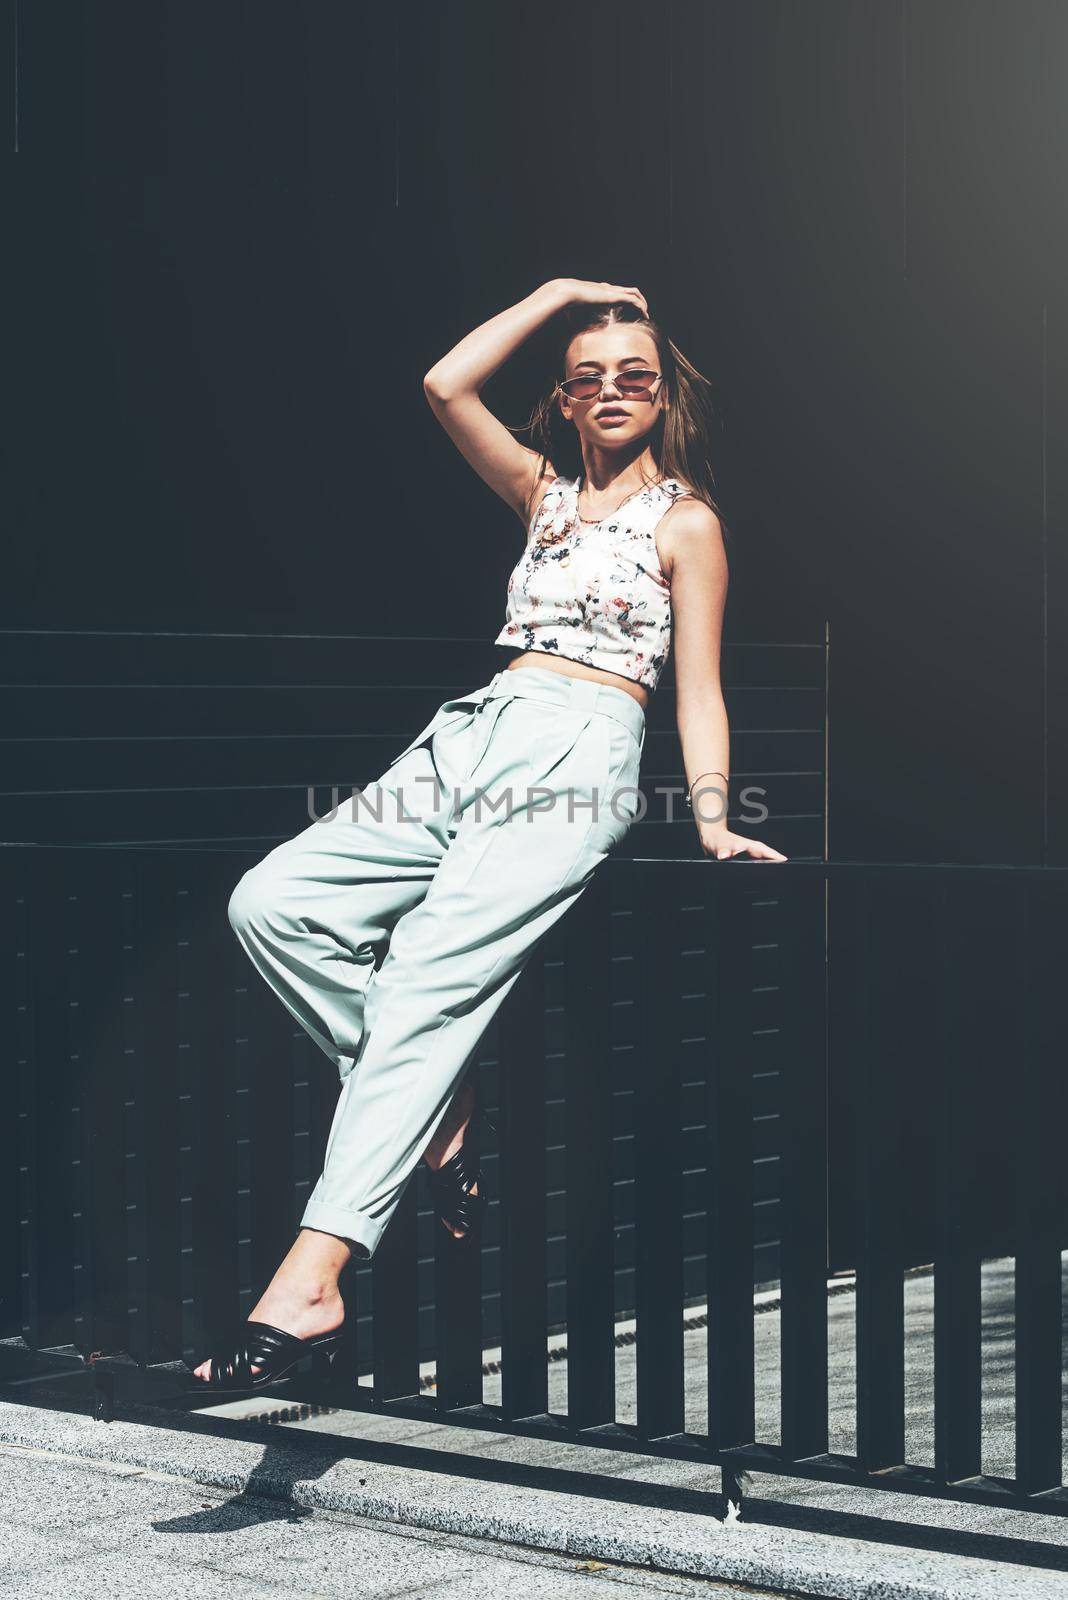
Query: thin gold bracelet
(689, 793)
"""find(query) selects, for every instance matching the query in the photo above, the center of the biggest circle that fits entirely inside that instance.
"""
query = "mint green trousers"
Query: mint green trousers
(394, 927)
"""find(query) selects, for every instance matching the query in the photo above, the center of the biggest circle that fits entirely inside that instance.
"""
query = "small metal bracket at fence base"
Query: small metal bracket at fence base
(103, 1367)
(103, 1397)
(736, 1483)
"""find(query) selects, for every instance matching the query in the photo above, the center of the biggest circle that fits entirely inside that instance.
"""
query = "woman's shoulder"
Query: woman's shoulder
(687, 522)
(693, 503)
(677, 488)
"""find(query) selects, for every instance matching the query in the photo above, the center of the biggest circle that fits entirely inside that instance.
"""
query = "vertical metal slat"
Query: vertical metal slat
(52, 879)
(217, 966)
(1037, 1086)
(524, 1374)
(880, 1286)
(101, 921)
(267, 1028)
(804, 1171)
(395, 1305)
(657, 1154)
(957, 1285)
(458, 1314)
(588, 1165)
(14, 1007)
(155, 1039)
(727, 921)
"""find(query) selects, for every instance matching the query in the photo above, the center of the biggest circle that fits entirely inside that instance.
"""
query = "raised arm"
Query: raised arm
(452, 388)
(453, 384)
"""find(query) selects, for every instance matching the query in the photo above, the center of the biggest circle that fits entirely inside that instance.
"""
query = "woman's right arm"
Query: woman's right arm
(452, 388)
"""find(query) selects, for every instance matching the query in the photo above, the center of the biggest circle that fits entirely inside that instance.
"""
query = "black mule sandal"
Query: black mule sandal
(452, 1182)
(273, 1350)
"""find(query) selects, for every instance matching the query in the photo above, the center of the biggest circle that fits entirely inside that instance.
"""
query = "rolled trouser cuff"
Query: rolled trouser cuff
(352, 1226)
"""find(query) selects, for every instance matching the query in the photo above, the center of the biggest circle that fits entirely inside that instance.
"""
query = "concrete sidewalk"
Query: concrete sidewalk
(636, 1513)
(74, 1530)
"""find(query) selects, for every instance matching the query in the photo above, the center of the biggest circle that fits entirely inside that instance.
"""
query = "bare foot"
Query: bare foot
(449, 1138)
(303, 1296)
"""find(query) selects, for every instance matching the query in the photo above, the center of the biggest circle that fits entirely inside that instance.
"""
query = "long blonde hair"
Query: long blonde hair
(681, 437)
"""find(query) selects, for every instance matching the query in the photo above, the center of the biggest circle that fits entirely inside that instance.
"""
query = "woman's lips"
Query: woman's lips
(613, 416)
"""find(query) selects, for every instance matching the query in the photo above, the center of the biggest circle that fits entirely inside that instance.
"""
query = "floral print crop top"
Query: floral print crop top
(595, 591)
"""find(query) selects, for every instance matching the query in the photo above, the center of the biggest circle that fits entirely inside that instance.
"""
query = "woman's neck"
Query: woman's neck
(600, 486)
(601, 469)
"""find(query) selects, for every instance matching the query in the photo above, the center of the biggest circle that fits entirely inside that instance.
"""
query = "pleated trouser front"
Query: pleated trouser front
(394, 928)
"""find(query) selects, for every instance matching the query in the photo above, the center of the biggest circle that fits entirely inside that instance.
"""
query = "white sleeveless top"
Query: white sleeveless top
(595, 592)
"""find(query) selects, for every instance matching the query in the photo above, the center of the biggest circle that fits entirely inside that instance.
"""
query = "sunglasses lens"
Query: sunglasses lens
(636, 380)
(582, 388)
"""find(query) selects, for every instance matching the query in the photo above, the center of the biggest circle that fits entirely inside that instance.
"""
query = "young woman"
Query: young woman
(532, 780)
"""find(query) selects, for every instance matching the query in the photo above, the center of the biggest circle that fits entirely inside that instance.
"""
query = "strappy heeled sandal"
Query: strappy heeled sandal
(273, 1350)
(451, 1183)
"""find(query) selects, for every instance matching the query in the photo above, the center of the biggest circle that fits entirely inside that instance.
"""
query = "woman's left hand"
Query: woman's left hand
(718, 841)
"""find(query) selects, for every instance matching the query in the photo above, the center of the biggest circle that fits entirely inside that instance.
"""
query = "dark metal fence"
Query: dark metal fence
(132, 1200)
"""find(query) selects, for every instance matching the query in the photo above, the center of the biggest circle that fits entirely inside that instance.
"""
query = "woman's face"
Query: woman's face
(612, 419)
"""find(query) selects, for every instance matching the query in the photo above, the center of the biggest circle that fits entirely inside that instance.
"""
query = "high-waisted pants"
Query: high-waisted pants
(394, 927)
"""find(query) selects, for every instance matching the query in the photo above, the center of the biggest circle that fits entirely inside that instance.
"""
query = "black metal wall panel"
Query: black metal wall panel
(245, 234)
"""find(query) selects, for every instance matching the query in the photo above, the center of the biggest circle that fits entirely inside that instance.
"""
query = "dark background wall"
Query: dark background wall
(246, 229)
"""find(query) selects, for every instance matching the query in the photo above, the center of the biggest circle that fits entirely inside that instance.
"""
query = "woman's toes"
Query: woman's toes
(204, 1371)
